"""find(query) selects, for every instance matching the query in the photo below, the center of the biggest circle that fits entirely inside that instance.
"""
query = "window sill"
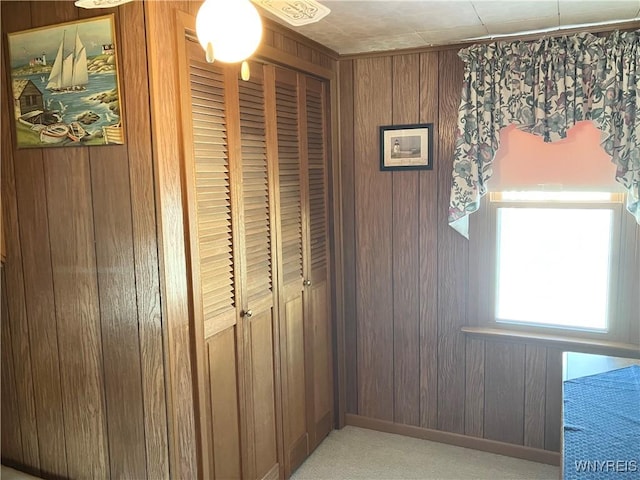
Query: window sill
(557, 341)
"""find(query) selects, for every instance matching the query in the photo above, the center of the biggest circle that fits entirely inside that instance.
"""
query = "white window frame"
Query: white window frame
(617, 327)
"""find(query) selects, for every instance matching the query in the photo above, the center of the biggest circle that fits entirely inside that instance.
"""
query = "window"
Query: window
(555, 258)
(549, 252)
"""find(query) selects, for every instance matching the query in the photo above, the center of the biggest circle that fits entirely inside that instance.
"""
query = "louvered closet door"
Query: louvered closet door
(290, 249)
(211, 220)
(317, 293)
(259, 320)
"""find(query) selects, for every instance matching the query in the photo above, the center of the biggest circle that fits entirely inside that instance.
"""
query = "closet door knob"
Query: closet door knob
(246, 314)
(306, 283)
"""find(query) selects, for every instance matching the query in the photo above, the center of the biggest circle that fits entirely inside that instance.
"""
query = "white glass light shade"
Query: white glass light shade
(233, 27)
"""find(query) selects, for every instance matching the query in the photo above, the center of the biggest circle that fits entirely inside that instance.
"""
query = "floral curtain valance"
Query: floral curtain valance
(545, 87)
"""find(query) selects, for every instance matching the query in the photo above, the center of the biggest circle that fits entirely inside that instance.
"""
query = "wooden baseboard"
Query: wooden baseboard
(491, 446)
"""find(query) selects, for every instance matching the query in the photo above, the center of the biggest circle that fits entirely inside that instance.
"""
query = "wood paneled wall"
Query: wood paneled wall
(96, 370)
(407, 277)
(82, 351)
(406, 273)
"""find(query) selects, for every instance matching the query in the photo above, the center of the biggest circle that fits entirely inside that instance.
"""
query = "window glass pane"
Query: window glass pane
(554, 266)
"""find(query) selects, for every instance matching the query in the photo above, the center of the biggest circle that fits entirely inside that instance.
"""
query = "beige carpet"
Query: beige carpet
(354, 453)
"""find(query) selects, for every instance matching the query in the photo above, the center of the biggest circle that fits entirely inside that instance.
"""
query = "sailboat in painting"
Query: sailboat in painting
(69, 73)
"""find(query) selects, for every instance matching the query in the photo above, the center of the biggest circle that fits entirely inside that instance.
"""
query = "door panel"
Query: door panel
(223, 394)
(322, 365)
(211, 222)
(289, 177)
(263, 402)
(290, 248)
(317, 293)
(296, 422)
(255, 187)
(263, 392)
(317, 178)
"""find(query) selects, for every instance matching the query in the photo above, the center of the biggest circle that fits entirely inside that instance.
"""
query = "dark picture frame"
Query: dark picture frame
(406, 147)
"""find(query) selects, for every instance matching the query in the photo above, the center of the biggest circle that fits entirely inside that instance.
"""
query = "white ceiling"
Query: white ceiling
(356, 26)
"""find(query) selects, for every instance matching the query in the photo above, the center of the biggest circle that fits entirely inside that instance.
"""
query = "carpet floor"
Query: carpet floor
(357, 453)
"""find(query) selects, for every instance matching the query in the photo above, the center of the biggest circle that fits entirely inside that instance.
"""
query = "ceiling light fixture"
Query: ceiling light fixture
(229, 31)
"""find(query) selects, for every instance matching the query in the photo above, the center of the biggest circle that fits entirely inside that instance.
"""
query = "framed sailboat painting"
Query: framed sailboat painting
(65, 84)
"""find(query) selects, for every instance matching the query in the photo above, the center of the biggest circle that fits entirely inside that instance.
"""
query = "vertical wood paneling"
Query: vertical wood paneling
(534, 396)
(11, 442)
(67, 182)
(553, 401)
(428, 251)
(38, 282)
(293, 44)
(161, 47)
(304, 52)
(285, 43)
(504, 392)
(36, 266)
(374, 276)
(452, 258)
(406, 281)
(118, 311)
(145, 248)
(77, 310)
(474, 388)
(348, 232)
(15, 287)
(85, 246)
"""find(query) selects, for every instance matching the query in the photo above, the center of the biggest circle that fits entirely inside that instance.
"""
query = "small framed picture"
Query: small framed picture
(406, 147)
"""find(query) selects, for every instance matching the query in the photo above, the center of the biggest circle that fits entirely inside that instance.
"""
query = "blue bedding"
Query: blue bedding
(602, 425)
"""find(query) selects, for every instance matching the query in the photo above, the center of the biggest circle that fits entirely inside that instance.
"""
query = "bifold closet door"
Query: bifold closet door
(255, 178)
(290, 253)
(229, 207)
(214, 269)
(259, 315)
(305, 338)
(317, 292)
